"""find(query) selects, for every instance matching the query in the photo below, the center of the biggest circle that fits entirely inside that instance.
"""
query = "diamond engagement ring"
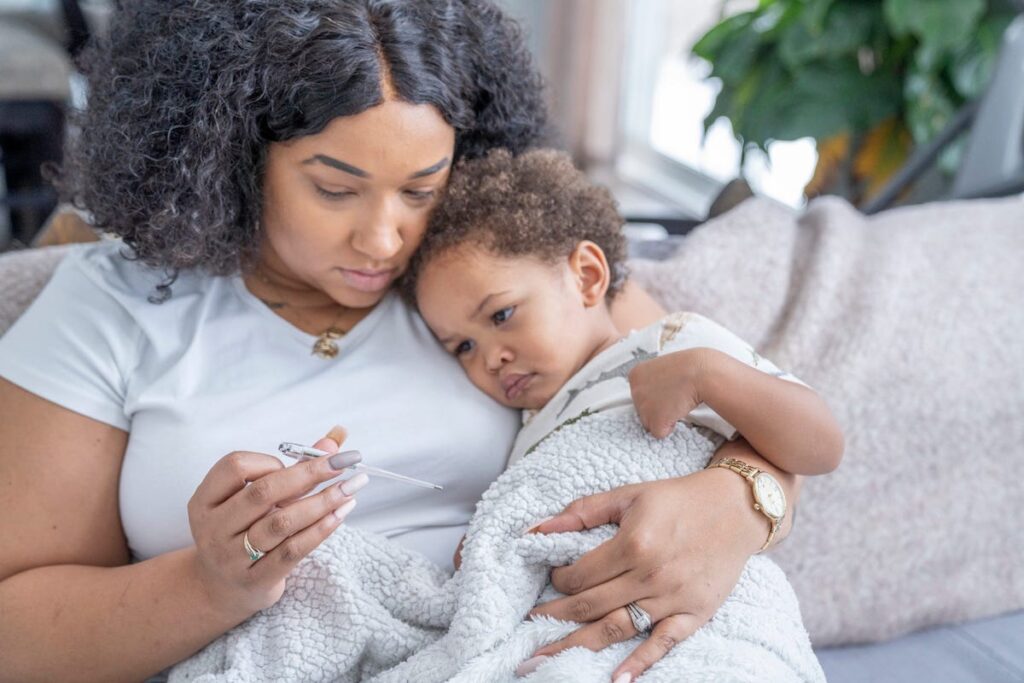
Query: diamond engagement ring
(254, 552)
(640, 618)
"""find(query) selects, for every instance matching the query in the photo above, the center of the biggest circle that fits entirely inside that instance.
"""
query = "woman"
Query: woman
(271, 165)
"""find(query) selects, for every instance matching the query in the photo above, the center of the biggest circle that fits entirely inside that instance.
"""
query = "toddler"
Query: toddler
(515, 276)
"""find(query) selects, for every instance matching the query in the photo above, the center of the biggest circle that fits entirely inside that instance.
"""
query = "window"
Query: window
(665, 98)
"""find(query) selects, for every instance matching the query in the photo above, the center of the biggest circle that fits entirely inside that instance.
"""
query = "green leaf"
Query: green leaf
(768, 107)
(737, 57)
(972, 66)
(865, 99)
(929, 57)
(814, 14)
(846, 29)
(942, 25)
(792, 11)
(819, 101)
(720, 35)
(930, 105)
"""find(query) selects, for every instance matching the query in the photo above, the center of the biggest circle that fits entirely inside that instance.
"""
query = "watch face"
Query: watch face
(769, 495)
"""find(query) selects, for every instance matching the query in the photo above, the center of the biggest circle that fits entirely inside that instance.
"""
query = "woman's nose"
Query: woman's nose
(380, 236)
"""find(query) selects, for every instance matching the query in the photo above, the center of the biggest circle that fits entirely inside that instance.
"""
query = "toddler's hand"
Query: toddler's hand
(668, 388)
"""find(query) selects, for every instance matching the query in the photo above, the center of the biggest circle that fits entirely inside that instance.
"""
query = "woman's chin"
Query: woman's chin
(357, 298)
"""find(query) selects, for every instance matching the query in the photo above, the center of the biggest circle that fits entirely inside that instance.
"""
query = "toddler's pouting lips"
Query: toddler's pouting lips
(515, 384)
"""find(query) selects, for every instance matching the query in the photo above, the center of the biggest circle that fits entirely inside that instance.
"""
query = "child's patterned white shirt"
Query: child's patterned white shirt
(603, 383)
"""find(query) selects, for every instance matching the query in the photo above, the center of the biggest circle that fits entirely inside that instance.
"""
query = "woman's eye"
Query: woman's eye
(503, 315)
(333, 195)
(463, 347)
(420, 195)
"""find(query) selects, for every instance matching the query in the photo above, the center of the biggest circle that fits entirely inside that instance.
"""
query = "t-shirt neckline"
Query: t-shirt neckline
(353, 337)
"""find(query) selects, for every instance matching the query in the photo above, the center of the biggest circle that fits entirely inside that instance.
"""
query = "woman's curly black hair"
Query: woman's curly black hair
(185, 99)
(535, 204)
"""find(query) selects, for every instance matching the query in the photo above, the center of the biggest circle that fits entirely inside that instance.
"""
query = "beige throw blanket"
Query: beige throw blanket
(911, 324)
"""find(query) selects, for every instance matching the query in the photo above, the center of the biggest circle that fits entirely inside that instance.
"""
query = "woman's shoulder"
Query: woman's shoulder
(110, 266)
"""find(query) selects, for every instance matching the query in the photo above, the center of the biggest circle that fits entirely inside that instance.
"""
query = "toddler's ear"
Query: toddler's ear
(593, 275)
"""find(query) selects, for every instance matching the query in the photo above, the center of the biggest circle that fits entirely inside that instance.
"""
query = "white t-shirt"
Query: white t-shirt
(212, 370)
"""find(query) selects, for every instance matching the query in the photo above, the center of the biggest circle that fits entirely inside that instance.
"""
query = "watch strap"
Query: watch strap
(739, 467)
(748, 472)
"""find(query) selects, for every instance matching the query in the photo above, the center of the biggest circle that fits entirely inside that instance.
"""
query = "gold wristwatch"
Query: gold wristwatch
(769, 498)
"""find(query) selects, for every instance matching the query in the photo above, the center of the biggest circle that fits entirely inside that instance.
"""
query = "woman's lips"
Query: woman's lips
(367, 280)
(516, 384)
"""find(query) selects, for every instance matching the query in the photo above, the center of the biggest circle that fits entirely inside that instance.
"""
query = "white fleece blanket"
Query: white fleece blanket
(361, 608)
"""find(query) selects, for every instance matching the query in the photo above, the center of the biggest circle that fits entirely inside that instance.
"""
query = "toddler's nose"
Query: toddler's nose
(497, 357)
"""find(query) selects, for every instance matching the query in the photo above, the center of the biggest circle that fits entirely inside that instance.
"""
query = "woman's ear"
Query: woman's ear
(590, 268)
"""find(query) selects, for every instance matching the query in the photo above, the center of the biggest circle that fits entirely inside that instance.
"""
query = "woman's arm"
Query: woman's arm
(680, 548)
(634, 308)
(786, 423)
(73, 609)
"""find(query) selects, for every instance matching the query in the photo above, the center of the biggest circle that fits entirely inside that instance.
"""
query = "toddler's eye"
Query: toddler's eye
(503, 315)
(463, 347)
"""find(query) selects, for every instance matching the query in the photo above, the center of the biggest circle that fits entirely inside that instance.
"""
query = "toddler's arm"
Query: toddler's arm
(788, 423)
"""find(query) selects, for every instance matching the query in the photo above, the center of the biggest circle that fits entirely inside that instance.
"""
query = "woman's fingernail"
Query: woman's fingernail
(624, 678)
(538, 523)
(350, 486)
(340, 461)
(342, 512)
(530, 665)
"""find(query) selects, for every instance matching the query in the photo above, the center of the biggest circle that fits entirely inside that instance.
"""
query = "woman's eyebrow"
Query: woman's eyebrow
(360, 173)
(338, 164)
(430, 170)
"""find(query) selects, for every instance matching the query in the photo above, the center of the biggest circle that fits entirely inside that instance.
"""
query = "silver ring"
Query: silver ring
(254, 553)
(640, 618)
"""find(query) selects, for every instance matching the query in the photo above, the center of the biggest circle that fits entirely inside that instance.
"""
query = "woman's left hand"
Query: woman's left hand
(681, 546)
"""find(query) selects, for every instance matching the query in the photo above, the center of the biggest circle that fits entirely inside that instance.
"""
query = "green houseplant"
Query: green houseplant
(867, 79)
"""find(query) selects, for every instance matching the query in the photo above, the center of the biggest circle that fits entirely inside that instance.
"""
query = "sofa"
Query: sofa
(904, 588)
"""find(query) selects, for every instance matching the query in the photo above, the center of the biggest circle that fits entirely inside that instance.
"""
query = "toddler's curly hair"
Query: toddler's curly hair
(533, 204)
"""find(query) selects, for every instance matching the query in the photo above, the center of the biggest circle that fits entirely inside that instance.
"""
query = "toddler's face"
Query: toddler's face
(518, 326)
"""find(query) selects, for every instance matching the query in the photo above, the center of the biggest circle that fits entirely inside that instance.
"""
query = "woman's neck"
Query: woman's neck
(303, 305)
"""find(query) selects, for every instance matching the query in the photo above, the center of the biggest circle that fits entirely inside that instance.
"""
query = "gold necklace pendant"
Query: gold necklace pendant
(325, 347)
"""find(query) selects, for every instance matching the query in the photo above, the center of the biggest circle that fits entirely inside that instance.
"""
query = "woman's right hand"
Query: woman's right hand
(255, 493)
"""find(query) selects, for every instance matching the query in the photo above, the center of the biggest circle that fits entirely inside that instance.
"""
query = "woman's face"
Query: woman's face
(343, 210)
